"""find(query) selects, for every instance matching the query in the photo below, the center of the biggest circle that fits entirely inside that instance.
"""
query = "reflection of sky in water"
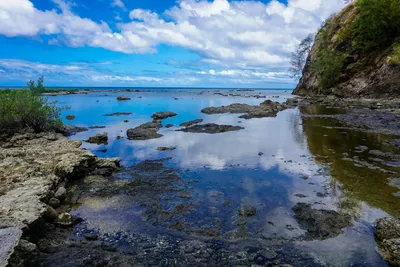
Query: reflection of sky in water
(227, 163)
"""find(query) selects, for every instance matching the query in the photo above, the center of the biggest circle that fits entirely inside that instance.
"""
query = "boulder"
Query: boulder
(387, 233)
(72, 166)
(145, 131)
(123, 98)
(101, 138)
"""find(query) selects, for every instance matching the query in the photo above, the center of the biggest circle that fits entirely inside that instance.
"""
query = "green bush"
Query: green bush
(377, 24)
(395, 58)
(28, 109)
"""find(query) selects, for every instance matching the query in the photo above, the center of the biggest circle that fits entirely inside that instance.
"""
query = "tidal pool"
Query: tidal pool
(268, 167)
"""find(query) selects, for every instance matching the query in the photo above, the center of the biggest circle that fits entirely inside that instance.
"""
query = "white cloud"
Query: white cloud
(118, 3)
(235, 34)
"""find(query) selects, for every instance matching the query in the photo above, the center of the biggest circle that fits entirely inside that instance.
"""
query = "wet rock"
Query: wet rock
(123, 98)
(54, 202)
(61, 193)
(190, 123)
(50, 213)
(9, 239)
(91, 235)
(320, 224)
(247, 211)
(70, 117)
(118, 114)
(97, 127)
(260, 154)
(64, 220)
(101, 138)
(165, 148)
(72, 130)
(210, 128)
(73, 166)
(126, 121)
(145, 131)
(169, 126)
(102, 150)
(300, 195)
(163, 115)
(387, 233)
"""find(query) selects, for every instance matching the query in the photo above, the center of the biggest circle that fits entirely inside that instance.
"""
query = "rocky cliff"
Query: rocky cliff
(372, 74)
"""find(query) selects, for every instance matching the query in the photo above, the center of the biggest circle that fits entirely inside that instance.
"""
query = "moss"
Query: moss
(395, 58)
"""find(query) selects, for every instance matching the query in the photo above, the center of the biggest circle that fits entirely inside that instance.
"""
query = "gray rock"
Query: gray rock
(320, 224)
(118, 114)
(165, 148)
(9, 239)
(101, 138)
(50, 213)
(61, 193)
(72, 130)
(163, 115)
(145, 131)
(387, 228)
(210, 128)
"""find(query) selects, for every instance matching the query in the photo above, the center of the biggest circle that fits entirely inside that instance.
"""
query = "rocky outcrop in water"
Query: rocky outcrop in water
(162, 115)
(101, 138)
(32, 168)
(145, 131)
(123, 98)
(210, 128)
(118, 114)
(72, 130)
(267, 108)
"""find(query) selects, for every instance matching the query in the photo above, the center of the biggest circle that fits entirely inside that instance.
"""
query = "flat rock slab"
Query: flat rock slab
(210, 128)
(101, 138)
(163, 115)
(145, 131)
(9, 239)
(72, 130)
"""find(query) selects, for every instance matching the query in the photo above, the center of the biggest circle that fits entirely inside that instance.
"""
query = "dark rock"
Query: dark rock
(72, 130)
(54, 202)
(101, 138)
(169, 126)
(64, 220)
(61, 193)
(118, 114)
(126, 121)
(163, 115)
(70, 117)
(122, 98)
(190, 123)
(247, 211)
(97, 127)
(145, 131)
(210, 128)
(102, 150)
(320, 224)
(165, 148)
(260, 154)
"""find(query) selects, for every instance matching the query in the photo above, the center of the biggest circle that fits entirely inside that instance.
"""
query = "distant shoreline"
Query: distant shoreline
(94, 88)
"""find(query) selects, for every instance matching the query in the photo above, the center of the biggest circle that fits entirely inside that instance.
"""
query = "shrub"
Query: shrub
(27, 108)
(395, 58)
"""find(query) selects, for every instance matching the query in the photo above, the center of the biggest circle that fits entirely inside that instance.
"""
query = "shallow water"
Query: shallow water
(311, 160)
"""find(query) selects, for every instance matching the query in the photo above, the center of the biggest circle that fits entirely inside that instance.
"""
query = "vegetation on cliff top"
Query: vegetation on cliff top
(348, 41)
(27, 108)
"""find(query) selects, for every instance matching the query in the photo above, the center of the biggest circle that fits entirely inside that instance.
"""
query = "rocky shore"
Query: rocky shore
(35, 172)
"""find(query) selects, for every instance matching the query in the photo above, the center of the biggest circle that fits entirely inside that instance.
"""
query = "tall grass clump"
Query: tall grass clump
(27, 108)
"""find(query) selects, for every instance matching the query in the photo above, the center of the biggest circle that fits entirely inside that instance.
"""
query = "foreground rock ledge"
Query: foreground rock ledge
(32, 168)
(387, 233)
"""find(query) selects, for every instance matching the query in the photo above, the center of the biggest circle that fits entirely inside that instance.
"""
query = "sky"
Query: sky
(155, 43)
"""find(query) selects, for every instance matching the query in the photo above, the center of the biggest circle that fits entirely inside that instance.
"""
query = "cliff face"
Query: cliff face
(375, 74)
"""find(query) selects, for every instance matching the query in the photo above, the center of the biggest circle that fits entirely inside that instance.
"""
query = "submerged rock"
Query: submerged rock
(97, 127)
(163, 115)
(247, 211)
(387, 233)
(210, 128)
(169, 126)
(190, 123)
(267, 108)
(118, 114)
(145, 131)
(101, 138)
(320, 224)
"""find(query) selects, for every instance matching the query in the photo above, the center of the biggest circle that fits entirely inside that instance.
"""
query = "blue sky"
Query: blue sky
(179, 43)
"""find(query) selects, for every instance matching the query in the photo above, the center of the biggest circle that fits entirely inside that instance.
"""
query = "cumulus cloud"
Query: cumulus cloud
(240, 34)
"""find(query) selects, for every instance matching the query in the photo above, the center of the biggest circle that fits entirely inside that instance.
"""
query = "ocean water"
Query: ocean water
(303, 160)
